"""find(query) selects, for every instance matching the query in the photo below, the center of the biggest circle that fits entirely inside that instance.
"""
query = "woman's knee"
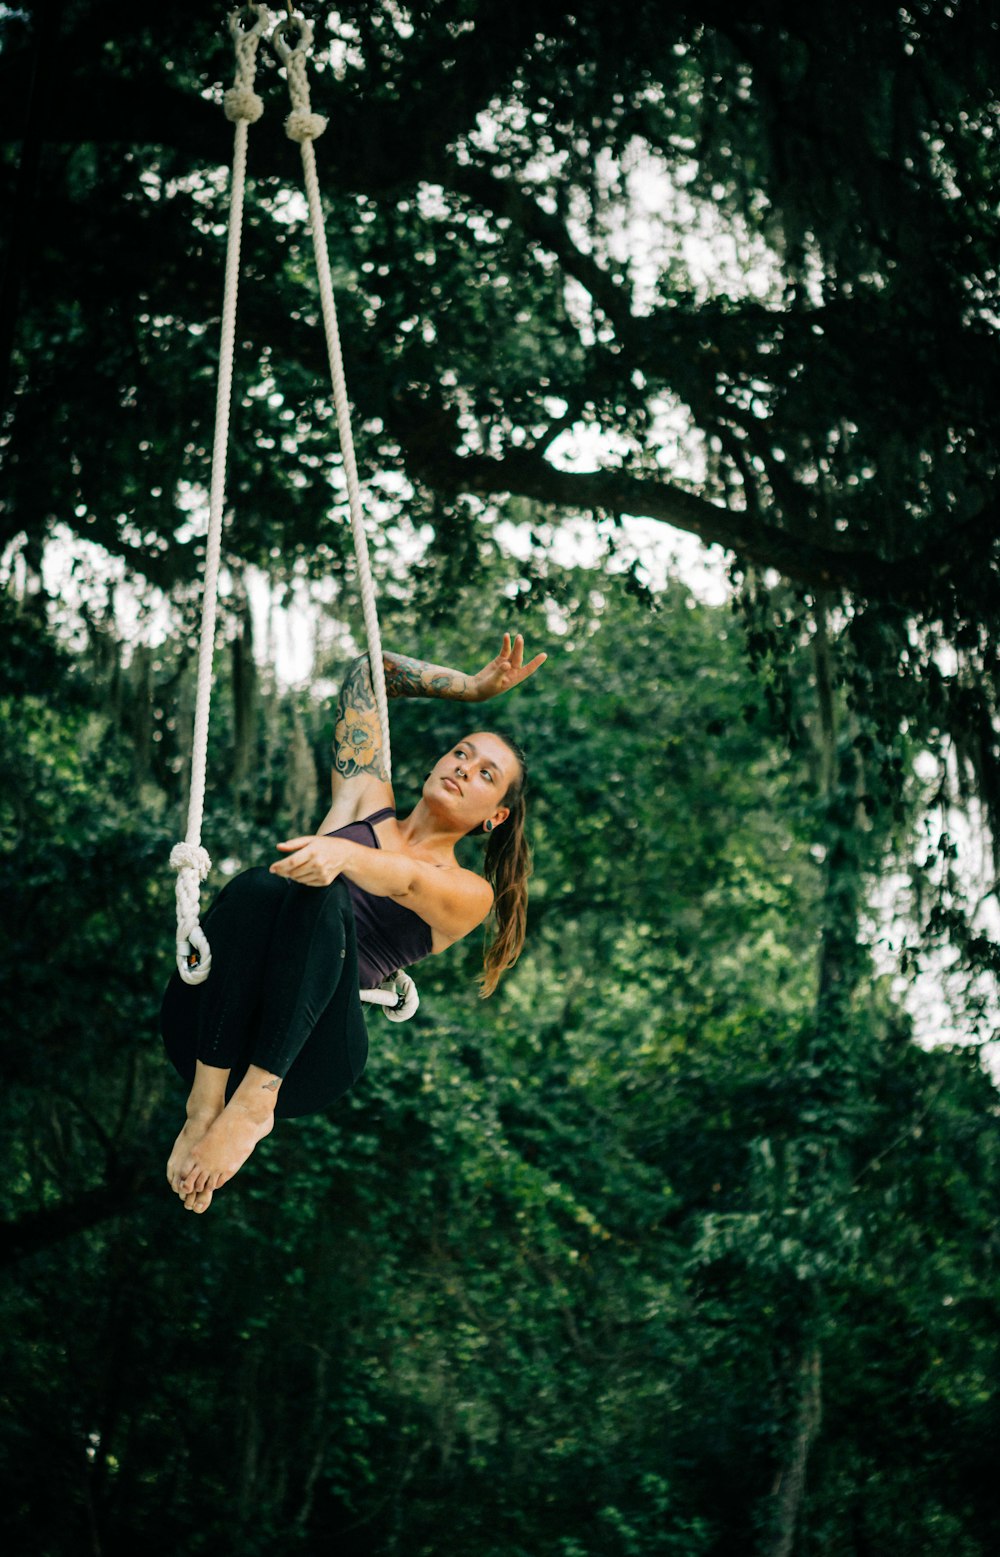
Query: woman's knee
(253, 898)
(259, 880)
(255, 882)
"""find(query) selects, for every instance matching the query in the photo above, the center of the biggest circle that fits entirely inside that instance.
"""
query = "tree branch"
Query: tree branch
(525, 474)
(429, 441)
(37, 1230)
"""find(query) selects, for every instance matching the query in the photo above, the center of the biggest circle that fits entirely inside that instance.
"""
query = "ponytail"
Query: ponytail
(507, 867)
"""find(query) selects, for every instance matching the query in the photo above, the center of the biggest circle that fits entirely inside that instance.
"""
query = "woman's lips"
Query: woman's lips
(451, 784)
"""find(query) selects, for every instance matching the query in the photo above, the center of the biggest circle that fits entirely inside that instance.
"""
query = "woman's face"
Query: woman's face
(469, 783)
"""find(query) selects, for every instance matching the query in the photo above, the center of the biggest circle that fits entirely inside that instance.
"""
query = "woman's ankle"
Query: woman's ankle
(258, 1091)
(208, 1093)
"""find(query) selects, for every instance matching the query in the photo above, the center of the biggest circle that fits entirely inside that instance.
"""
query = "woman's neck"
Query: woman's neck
(423, 830)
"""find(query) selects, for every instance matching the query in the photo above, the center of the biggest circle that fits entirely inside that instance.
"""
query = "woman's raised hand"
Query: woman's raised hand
(506, 671)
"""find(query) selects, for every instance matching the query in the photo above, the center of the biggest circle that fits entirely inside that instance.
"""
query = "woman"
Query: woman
(278, 1028)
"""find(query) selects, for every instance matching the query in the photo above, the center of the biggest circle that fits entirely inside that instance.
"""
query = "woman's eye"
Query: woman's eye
(488, 775)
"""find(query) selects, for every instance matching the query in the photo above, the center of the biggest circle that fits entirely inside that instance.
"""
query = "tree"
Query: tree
(554, 1276)
(491, 290)
(681, 1245)
(503, 284)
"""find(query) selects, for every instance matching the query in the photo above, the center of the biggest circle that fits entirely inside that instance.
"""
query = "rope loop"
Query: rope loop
(241, 101)
(302, 27)
(407, 999)
(194, 955)
(246, 39)
(396, 995)
(302, 124)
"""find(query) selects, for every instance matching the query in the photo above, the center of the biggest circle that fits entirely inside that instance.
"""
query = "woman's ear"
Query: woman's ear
(501, 815)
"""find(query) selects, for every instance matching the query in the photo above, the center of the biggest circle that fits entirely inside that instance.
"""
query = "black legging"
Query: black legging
(282, 993)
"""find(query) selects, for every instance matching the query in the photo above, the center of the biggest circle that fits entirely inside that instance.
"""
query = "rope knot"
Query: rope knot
(302, 125)
(194, 955)
(191, 856)
(242, 102)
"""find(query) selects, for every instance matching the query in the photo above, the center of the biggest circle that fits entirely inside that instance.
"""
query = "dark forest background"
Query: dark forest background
(682, 1244)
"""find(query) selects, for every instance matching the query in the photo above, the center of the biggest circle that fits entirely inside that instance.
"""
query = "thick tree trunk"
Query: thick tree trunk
(246, 697)
(791, 1484)
(840, 956)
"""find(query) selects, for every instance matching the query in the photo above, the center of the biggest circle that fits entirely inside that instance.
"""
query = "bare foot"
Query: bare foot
(196, 1127)
(198, 1201)
(247, 1118)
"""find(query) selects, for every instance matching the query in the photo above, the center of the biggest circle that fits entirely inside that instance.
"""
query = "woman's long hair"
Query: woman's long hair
(507, 867)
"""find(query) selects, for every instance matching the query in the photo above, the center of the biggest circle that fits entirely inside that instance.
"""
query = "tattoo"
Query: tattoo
(405, 677)
(357, 737)
(272, 1085)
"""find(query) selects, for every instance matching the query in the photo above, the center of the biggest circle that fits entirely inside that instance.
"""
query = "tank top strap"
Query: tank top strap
(379, 816)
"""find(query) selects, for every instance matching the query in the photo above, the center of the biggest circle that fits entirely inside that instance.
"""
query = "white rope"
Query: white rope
(242, 107)
(291, 41)
(398, 996)
(304, 126)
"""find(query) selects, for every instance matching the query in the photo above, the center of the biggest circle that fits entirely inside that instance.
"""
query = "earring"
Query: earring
(488, 825)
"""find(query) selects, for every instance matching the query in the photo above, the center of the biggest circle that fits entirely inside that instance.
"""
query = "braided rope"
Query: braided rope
(304, 126)
(242, 107)
(398, 997)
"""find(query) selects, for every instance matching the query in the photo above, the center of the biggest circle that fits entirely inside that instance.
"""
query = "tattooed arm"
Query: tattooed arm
(360, 781)
(415, 678)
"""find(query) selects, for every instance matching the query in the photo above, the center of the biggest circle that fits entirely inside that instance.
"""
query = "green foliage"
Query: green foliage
(512, 191)
(678, 1245)
(545, 1281)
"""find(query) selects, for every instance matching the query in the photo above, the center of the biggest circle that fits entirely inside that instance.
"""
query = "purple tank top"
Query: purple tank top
(390, 936)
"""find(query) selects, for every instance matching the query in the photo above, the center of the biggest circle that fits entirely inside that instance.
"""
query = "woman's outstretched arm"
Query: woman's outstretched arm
(405, 677)
(360, 782)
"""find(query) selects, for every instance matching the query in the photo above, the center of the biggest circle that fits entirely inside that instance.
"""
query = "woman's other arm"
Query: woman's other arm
(405, 677)
(359, 781)
(452, 901)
